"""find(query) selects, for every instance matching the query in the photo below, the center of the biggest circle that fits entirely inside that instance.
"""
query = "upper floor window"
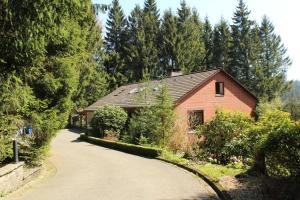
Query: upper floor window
(219, 89)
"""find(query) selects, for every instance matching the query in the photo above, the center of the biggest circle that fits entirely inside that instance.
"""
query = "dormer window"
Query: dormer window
(219, 88)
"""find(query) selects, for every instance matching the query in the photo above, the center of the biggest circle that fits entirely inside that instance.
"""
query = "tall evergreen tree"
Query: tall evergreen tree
(240, 49)
(134, 45)
(190, 48)
(149, 35)
(115, 42)
(270, 72)
(207, 36)
(169, 38)
(221, 45)
(184, 12)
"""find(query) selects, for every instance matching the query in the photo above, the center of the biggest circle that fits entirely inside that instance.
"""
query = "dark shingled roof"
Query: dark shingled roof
(127, 96)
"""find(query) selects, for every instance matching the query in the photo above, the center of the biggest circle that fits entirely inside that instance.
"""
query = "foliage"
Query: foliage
(291, 100)
(46, 49)
(221, 44)
(185, 143)
(115, 43)
(129, 148)
(224, 136)
(282, 150)
(276, 138)
(267, 106)
(141, 126)
(163, 111)
(153, 123)
(109, 118)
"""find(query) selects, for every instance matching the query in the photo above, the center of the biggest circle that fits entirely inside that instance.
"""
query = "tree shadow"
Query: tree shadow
(265, 188)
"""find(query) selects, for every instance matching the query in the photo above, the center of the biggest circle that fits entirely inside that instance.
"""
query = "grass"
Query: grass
(2, 194)
(219, 171)
(211, 170)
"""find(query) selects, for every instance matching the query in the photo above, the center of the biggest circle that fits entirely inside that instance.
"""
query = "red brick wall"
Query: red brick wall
(235, 98)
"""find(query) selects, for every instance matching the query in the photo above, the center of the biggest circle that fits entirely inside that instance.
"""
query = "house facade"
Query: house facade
(196, 97)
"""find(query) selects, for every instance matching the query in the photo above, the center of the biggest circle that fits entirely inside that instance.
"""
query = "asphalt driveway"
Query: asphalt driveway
(89, 172)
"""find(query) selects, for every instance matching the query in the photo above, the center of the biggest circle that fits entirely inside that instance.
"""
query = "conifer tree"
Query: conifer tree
(184, 12)
(207, 36)
(240, 49)
(221, 45)
(133, 45)
(270, 73)
(190, 48)
(149, 38)
(115, 42)
(169, 34)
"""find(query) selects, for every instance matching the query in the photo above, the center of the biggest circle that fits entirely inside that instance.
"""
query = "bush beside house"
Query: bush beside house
(109, 120)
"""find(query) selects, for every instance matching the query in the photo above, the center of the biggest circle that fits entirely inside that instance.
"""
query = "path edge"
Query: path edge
(217, 187)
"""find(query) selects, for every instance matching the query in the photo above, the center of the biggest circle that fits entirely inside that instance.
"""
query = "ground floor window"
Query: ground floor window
(195, 118)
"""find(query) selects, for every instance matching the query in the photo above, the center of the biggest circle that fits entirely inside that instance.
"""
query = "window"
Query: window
(195, 118)
(219, 89)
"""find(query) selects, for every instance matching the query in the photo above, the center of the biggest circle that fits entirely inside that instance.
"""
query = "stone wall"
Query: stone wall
(11, 177)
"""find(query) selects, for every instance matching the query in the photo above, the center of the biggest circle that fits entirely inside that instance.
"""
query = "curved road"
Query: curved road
(89, 172)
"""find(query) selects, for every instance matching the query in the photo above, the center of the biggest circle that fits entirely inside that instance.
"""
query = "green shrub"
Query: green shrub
(154, 124)
(128, 148)
(7, 133)
(225, 135)
(282, 150)
(109, 118)
(277, 139)
(141, 126)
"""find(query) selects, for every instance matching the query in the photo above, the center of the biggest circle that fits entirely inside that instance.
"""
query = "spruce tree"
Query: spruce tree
(149, 38)
(190, 48)
(133, 45)
(115, 42)
(207, 36)
(270, 73)
(169, 34)
(184, 12)
(221, 45)
(240, 49)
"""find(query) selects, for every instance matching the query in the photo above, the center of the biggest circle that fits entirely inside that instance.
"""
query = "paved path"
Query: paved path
(89, 172)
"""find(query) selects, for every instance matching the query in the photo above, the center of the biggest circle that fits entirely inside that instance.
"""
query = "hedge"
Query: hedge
(128, 148)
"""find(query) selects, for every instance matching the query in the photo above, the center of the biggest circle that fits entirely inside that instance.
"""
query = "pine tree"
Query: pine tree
(240, 49)
(270, 73)
(207, 36)
(221, 45)
(115, 42)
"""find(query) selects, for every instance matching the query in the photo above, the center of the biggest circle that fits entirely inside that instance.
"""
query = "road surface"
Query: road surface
(89, 172)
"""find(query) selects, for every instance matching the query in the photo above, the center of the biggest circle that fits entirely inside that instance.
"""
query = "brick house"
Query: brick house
(196, 97)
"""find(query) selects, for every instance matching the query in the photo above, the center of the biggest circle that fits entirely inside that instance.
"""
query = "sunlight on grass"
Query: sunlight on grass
(211, 170)
(218, 171)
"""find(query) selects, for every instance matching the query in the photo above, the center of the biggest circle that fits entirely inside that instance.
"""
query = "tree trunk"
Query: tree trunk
(259, 163)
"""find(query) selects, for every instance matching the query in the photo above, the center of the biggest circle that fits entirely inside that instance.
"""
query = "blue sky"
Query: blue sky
(284, 14)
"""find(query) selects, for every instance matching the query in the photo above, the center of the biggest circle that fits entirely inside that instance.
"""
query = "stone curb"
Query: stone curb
(221, 192)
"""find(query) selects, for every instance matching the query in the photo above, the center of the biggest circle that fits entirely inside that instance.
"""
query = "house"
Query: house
(196, 96)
